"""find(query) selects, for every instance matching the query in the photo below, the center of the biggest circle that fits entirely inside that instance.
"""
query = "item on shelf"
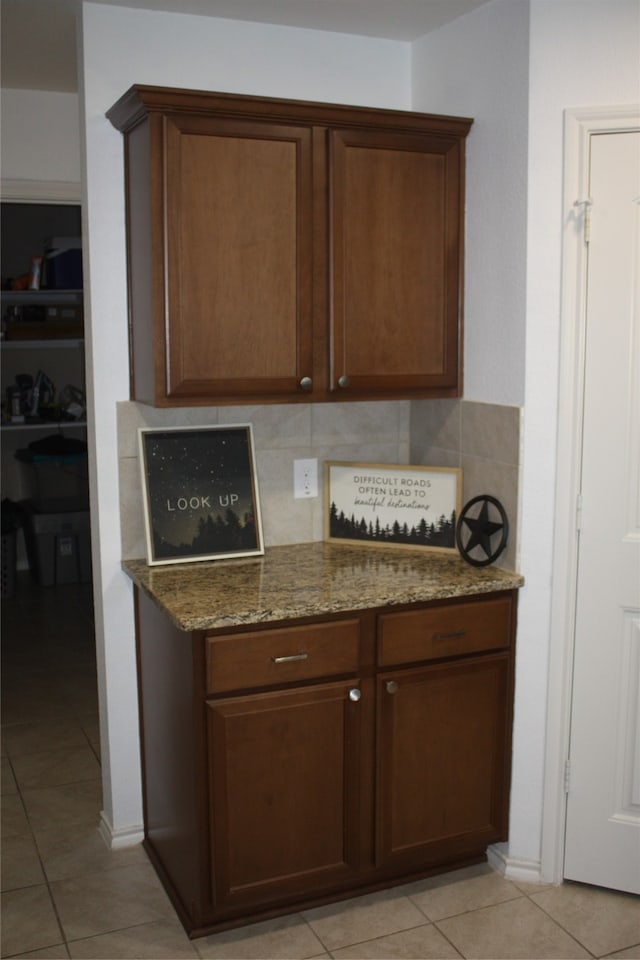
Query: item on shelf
(42, 321)
(55, 474)
(42, 394)
(31, 400)
(17, 315)
(58, 546)
(72, 403)
(35, 274)
(56, 444)
(19, 397)
(63, 263)
(13, 407)
(12, 520)
(19, 283)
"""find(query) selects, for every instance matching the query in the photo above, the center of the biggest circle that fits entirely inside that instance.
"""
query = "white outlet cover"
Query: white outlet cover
(305, 479)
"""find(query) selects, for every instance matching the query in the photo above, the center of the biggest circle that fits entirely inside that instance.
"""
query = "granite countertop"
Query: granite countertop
(308, 580)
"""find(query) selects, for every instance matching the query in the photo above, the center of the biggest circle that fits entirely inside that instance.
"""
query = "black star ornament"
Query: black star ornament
(476, 532)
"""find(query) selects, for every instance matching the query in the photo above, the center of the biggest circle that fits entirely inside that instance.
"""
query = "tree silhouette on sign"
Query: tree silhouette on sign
(222, 535)
(440, 534)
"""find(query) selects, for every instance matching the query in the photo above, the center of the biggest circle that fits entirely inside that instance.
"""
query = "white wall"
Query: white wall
(120, 47)
(516, 67)
(40, 137)
(477, 66)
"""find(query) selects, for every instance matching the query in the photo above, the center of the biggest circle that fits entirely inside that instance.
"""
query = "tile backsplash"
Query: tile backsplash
(282, 433)
(483, 439)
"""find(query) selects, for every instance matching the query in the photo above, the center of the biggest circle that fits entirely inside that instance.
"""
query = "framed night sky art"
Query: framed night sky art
(200, 493)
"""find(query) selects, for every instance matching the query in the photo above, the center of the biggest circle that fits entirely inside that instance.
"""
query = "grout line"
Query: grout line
(517, 896)
(382, 936)
(45, 881)
(449, 941)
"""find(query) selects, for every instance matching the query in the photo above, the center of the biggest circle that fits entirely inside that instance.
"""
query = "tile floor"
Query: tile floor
(64, 894)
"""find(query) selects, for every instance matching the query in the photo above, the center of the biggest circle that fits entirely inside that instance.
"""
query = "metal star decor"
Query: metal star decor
(477, 532)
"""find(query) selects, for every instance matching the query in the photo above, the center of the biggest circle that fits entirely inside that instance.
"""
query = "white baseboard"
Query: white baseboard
(118, 839)
(525, 871)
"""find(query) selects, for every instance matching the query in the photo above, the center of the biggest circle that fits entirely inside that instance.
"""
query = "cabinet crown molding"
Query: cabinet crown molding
(141, 100)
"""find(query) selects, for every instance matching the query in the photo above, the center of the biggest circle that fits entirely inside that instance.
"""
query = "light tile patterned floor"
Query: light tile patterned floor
(64, 894)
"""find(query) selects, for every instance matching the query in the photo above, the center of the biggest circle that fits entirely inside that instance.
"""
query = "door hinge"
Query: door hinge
(586, 217)
(567, 776)
(579, 512)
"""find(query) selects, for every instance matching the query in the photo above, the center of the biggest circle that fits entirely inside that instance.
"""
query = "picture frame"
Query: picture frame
(391, 505)
(200, 493)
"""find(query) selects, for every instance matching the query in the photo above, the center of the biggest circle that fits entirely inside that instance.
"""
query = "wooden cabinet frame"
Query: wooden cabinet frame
(280, 250)
(417, 757)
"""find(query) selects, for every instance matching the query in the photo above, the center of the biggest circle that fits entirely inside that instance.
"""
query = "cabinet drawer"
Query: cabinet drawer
(271, 657)
(444, 631)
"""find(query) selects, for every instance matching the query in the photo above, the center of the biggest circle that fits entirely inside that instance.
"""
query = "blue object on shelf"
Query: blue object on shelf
(63, 264)
(55, 482)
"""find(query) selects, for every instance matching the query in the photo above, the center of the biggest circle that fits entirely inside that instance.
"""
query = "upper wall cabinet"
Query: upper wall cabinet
(281, 250)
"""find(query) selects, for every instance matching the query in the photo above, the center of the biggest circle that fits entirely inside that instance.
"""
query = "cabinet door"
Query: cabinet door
(284, 793)
(238, 258)
(444, 749)
(396, 235)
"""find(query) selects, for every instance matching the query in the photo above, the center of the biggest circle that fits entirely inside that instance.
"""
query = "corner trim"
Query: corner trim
(119, 839)
(524, 871)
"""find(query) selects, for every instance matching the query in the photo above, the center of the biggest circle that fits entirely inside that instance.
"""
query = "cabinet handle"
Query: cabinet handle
(343, 381)
(392, 686)
(449, 636)
(291, 658)
(306, 383)
(354, 694)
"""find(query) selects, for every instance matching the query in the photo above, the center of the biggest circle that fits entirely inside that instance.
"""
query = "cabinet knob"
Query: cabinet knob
(354, 694)
(391, 686)
(343, 381)
(306, 383)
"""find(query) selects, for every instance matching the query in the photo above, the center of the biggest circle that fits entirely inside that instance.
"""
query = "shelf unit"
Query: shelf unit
(41, 348)
(61, 343)
(36, 297)
(35, 338)
(45, 425)
(31, 355)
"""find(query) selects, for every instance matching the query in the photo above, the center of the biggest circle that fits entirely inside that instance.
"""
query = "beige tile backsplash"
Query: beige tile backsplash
(483, 439)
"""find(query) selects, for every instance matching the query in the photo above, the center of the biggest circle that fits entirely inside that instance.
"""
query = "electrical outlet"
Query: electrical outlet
(305, 479)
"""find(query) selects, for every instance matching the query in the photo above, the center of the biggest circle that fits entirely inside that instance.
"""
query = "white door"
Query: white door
(602, 843)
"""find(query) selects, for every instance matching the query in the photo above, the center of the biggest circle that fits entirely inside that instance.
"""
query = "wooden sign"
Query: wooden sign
(383, 504)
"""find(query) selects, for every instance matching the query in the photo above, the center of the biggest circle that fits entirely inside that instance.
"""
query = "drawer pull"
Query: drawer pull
(354, 694)
(392, 686)
(450, 636)
(291, 658)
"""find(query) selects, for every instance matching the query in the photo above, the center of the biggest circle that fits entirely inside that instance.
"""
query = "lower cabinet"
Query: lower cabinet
(284, 792)
(441, 786)
(286, 766)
